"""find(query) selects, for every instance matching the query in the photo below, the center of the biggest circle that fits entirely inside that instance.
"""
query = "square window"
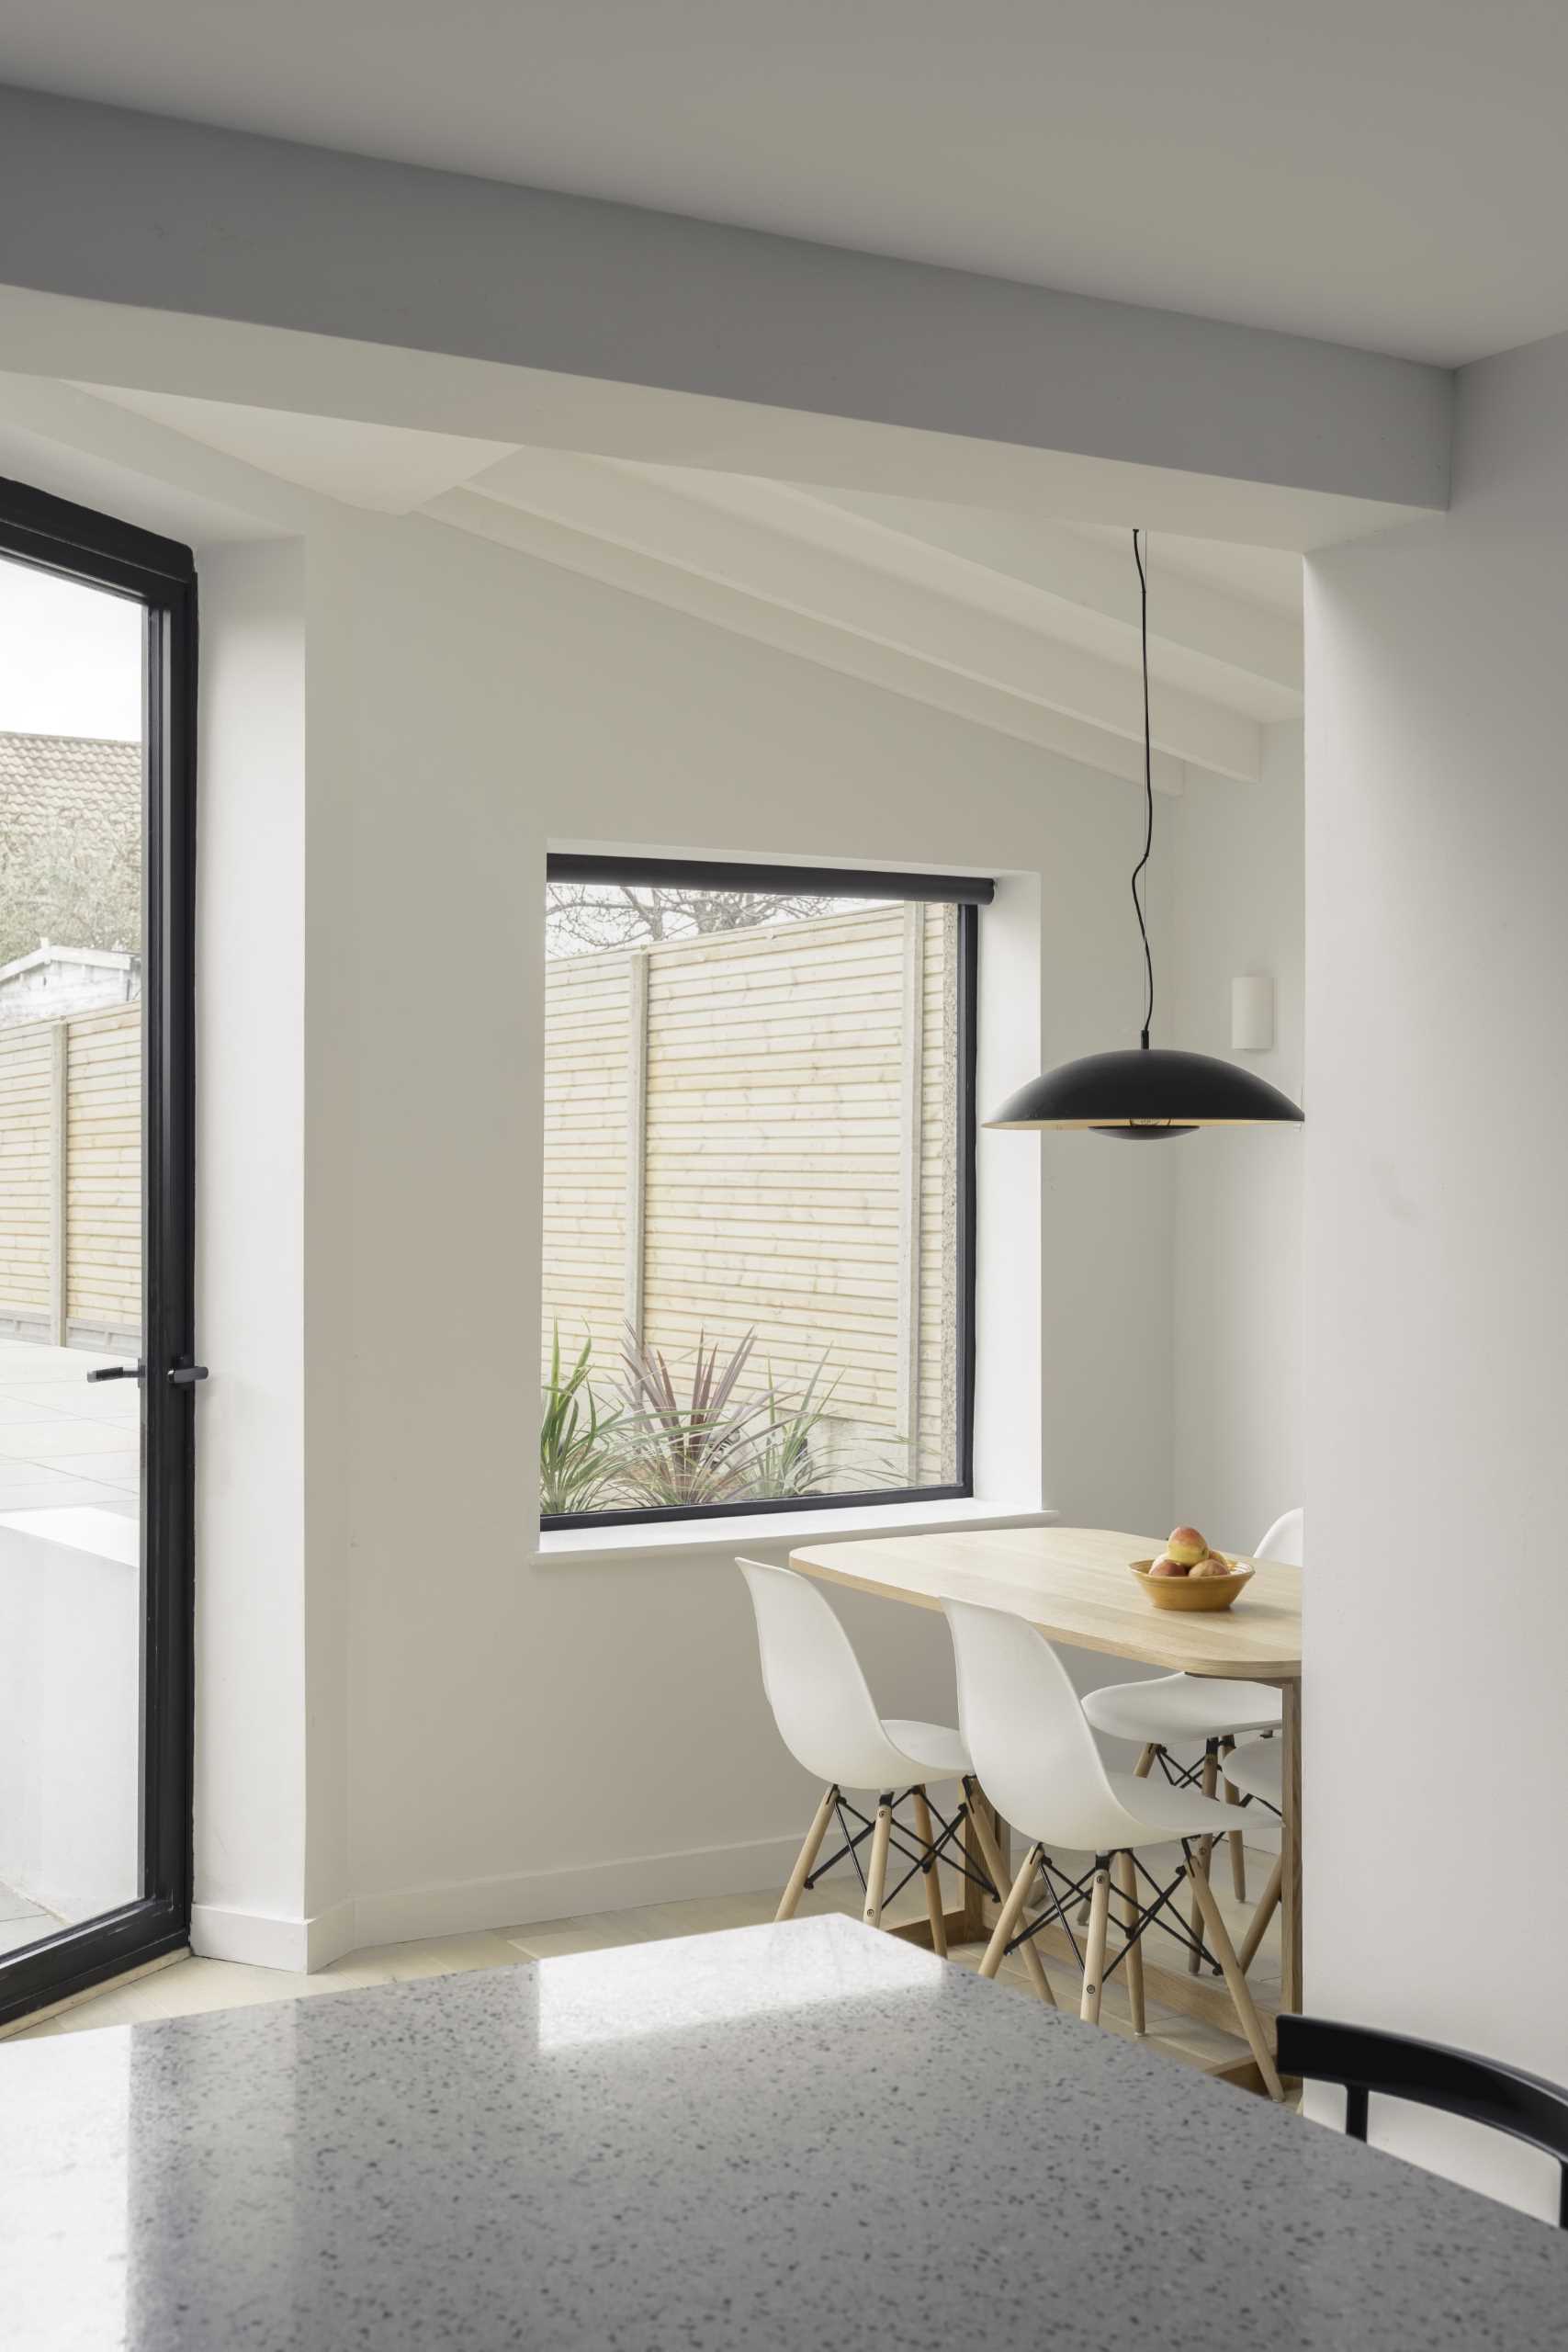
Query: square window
(758, 1141)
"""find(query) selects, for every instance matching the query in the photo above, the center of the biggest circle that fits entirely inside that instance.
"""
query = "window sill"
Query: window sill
(572, 1547)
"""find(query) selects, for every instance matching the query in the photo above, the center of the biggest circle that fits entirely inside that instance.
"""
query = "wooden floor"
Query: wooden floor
(185, 1985)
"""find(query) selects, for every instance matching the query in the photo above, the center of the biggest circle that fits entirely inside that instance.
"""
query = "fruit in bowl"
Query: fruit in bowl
(1209, 1582)
(1186, 1554)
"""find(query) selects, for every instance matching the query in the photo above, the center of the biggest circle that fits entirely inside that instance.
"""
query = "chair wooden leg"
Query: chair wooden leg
(1126, 1879)
(1237, 1843)
(1224, 1952)
(991, 1855)
(980, 1843)
(996, 1951)
(1094, 1951)
(876, 1870)
(789, 1902)
(1205, 1849)
(1262, 1916)
(933, 1877)
(1141, 1772)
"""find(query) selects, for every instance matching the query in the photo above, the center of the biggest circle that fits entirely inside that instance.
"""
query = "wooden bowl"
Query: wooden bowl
(1187, 1592)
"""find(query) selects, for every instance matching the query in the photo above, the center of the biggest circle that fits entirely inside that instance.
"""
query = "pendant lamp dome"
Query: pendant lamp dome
(1145, 1092)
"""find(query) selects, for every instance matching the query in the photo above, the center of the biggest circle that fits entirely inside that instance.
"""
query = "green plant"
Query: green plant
(784, 1464)
(677, 1453)
(577, 1457)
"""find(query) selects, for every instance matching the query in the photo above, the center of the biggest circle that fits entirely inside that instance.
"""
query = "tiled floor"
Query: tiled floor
(64, 1440)
(190, 1984)
(23, 1921)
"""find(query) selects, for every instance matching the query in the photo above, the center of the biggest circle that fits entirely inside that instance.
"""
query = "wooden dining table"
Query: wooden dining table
(1075, 1584)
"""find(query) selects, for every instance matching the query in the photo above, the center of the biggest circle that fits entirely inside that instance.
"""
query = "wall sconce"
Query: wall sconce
(1252, 1015)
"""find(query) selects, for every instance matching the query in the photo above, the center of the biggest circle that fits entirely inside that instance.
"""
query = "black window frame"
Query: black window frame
(969, 894)
(102, 551)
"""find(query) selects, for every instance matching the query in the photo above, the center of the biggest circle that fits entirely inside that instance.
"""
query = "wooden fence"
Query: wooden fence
(71, 1180)
(757, 1130)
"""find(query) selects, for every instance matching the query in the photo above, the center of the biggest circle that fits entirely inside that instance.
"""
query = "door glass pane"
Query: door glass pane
(72, 662)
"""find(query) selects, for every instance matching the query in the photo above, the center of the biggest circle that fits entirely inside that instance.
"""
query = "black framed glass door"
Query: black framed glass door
(98, 1372)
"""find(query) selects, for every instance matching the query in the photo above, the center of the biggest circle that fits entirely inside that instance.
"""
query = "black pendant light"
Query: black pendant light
(1144, 1092)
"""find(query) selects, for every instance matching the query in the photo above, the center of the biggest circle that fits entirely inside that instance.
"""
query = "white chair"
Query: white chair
(827, 1720)
(1176, 1713)
(1021, 1716)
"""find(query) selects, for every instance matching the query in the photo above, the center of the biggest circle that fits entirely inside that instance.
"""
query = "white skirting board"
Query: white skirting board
(262, 1940)
(401, 1914)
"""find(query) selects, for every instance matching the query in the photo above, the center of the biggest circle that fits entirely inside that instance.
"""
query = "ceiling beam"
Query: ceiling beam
(67, 441)
(1234, 632)
(804, 635)
(567, 305)
(632, 509)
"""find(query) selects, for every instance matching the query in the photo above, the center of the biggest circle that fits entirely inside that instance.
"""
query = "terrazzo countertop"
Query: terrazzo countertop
(807, 2136)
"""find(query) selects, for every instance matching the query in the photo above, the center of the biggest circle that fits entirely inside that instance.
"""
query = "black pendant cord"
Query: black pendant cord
(1138, 558)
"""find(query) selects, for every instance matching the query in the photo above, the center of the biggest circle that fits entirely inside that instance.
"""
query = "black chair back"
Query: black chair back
(1427, 2075)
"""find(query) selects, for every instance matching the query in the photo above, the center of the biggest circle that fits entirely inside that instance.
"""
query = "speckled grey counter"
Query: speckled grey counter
(804, 2136)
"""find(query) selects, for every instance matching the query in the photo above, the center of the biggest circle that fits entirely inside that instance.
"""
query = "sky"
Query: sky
(70, 657)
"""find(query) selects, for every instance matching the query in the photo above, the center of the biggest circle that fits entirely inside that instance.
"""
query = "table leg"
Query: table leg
(1291, 1993)
(936, 1916)
(986, 1849)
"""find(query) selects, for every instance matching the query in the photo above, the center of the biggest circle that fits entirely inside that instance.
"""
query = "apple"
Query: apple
(1213, 1567)
(1185, 1546)
(1166, 1566)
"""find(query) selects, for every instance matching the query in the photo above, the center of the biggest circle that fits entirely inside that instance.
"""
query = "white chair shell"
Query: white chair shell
(821, 1703)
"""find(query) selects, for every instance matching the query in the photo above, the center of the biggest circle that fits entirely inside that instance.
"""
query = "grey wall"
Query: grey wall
(127, 209)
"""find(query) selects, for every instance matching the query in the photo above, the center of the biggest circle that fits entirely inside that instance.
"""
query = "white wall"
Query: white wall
(483, 1740)
(398, 720)
(1438, 1253)
(252, 1697)
(1236, 880)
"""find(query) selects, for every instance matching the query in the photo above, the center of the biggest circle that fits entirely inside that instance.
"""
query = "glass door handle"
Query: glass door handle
(186, 1375)
(119, 1372)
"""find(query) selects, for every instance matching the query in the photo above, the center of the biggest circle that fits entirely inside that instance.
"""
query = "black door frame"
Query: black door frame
(105, 552)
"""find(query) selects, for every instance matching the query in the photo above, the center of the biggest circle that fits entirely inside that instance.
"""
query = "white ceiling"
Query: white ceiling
(386, 465)
(1019, 622)
(1386, 172)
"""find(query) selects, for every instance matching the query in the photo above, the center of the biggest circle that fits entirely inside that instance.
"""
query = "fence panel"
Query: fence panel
(26, 1099)
(103, 1177)
(589, 1082)
(774, 1061)
(938, 1452)
(756, 1130)
(71, 1180)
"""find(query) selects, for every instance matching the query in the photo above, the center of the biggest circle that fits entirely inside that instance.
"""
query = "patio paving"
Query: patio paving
(61, 1440)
